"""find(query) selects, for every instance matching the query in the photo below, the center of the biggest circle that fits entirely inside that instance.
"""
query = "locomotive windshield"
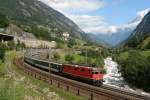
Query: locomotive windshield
(95, 72)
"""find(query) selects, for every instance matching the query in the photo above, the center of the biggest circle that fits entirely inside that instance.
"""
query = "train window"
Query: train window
(94, 72)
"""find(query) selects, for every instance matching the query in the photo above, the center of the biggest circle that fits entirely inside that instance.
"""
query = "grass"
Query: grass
(146, 53)
(16, 85)
(11, 86)
(62, 93)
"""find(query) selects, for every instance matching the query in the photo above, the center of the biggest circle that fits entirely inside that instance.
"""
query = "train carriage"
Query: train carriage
(56, 67)
(44, 65)
(82, 73)
(41, 64)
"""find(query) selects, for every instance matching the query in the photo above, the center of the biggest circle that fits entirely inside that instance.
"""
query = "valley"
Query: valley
(35, 25)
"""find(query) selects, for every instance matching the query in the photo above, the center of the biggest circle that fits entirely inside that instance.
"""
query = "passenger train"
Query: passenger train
(86, 74)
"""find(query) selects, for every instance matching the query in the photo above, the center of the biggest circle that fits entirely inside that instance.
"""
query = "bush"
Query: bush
(2, 54)
(3, 21)
(69, 58)
(71, 43)
(11, 45)
(56, 56)
(61, 45)
(2, 51)
(20, 45)
(148, 45)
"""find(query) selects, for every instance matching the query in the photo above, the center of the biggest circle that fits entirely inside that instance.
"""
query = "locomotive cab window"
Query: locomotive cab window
(94, 72)
(101, 72)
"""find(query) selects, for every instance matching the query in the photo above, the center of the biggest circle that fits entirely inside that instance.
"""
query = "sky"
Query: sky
(102, 16)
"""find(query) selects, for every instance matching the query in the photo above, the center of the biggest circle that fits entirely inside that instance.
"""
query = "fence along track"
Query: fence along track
(78, 88)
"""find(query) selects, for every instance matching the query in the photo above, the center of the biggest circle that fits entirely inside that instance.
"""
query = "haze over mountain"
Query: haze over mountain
(120, 33)
(28, 13)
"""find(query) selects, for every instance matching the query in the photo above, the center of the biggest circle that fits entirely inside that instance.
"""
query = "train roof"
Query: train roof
(74, 65)
(80, 66)
(46, 61)
(6, 37)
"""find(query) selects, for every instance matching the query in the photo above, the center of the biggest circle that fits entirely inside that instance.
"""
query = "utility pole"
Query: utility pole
(86, 52)
(49, 61)
(86, 56)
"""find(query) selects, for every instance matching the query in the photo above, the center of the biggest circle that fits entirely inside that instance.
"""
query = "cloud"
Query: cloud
(143, 12)
(92, 24)
(80, 12)
(125, 27)
(73, 9)
(83, 5)
(86, 22)
(138, 19)
(100, 26)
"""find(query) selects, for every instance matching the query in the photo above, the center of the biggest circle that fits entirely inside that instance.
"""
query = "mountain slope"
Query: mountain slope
(27, 13)
(141, 33)
(96, 39)
(115, 38)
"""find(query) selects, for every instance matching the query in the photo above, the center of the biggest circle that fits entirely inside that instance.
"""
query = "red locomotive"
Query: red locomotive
(82, 73)
(86, 74)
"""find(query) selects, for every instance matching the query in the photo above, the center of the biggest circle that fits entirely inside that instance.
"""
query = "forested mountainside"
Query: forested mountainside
(140, 38)
(33, 14)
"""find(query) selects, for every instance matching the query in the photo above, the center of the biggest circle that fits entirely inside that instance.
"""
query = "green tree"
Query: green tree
(20, 45)
(69, 58)
(71, 43)
(133, 43)
(100, 61)
(2, 51)
(3, 21)
(40, 32)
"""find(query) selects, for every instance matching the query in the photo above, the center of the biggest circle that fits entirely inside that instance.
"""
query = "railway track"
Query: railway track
(105, 92)
(91, 92)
